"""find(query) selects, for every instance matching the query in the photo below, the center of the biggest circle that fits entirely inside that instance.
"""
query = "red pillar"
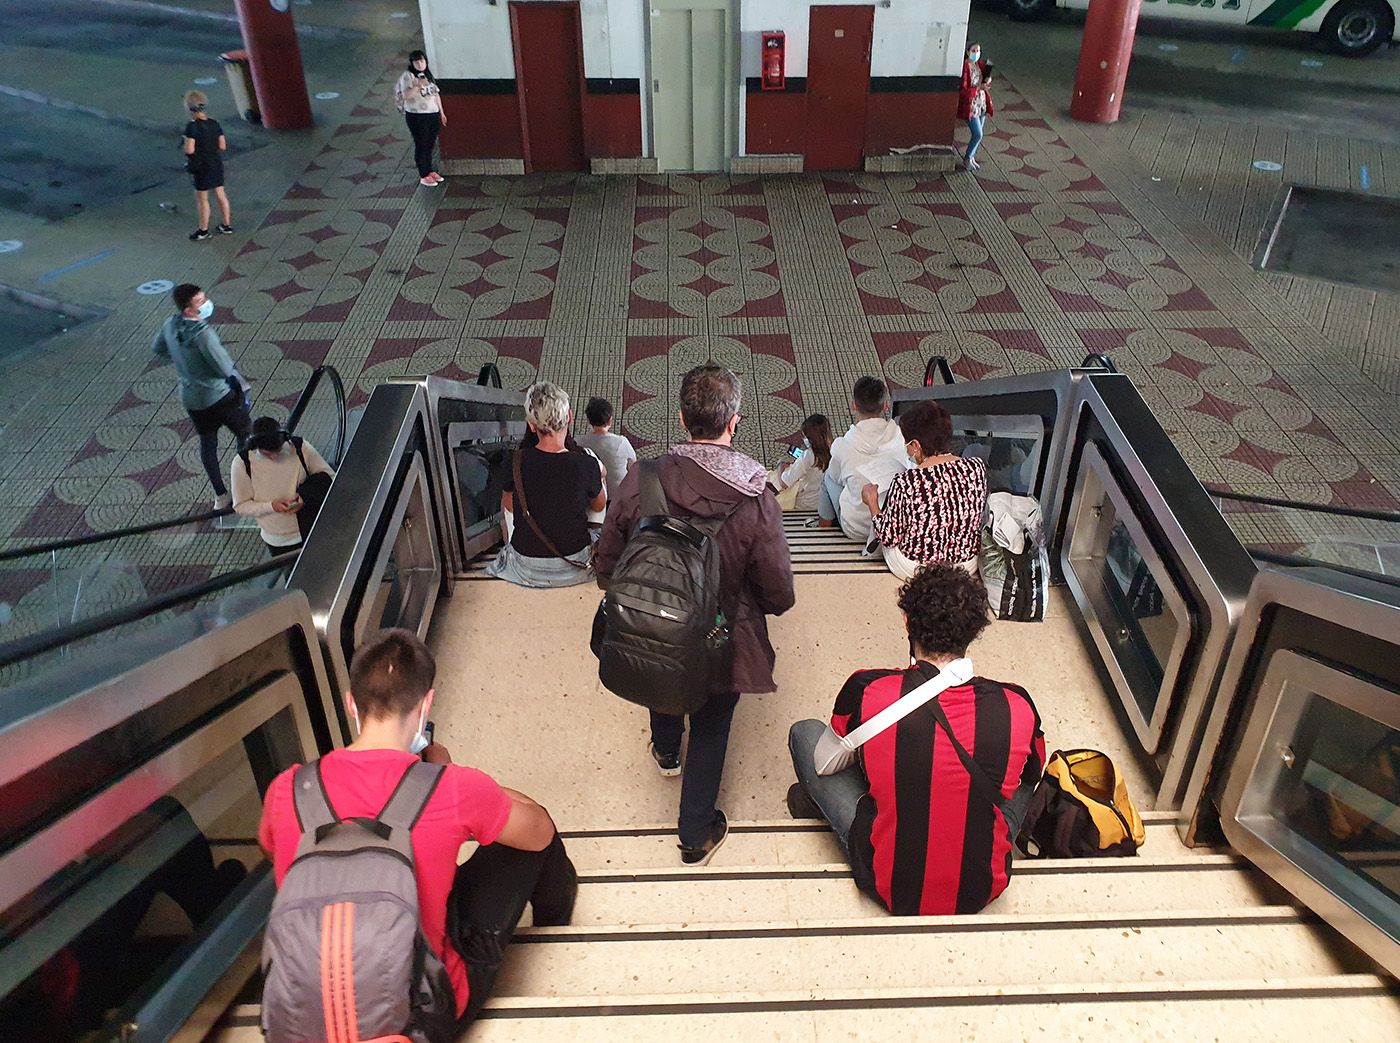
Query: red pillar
(1103, 60)
(270, 39)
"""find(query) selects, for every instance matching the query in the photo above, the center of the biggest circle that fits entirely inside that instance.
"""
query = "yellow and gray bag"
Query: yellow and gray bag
(1081, 809)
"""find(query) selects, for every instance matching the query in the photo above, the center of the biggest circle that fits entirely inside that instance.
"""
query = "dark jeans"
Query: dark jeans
(227, 412)
(424, 127)
(489, 895)
(704, 761)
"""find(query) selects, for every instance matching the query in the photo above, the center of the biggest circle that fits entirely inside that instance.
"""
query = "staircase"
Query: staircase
(815, 551)
(773, 941)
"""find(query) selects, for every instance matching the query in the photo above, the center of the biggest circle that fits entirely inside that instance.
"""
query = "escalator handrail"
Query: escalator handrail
(1220, 492)
(938, 366)
(333, 458)
(1099, 360)
(304, 399)
(1298, 561)
(47, 640)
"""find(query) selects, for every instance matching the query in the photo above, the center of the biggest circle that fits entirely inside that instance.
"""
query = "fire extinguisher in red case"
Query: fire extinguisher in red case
(774, 58)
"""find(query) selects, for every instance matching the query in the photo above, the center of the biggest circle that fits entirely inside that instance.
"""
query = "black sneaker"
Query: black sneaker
(200, 234)
(800, 804)
(699, 856)
(669, 764)
(226, 229)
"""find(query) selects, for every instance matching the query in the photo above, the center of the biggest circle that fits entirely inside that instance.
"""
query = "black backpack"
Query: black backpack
(660, 635)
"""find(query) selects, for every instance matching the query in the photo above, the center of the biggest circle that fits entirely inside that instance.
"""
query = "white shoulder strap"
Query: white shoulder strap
(958, 672)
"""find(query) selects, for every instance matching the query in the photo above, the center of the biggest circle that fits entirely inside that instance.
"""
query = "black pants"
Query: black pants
(489, 895)
(704, 761)
(424, 127)
(227, 412)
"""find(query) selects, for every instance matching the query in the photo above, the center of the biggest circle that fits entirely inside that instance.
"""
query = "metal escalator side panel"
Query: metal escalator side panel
(1309, 740)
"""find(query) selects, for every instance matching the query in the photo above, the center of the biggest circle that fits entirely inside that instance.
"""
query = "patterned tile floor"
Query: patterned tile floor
(616, 285)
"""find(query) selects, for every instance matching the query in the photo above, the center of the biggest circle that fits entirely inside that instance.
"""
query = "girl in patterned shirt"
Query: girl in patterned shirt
(934, 513)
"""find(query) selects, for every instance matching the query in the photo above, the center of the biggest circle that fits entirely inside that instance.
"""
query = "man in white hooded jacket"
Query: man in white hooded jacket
(871, 452)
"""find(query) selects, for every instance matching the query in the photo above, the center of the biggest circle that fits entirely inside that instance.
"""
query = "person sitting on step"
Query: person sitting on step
(923, 836)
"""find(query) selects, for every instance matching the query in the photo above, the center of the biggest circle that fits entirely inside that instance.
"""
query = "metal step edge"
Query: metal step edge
(783, 825)
(681, 874)
(1331, 986)
(980, 923)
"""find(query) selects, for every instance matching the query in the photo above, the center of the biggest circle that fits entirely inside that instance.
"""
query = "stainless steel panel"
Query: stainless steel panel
(1277, 773)
(1210, 568)
(1099, 513)
(391, 445)
(403, 582)
(451, 516)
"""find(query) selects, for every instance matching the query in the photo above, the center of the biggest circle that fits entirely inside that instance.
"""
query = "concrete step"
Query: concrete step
(973, 953)
(1253, 1010)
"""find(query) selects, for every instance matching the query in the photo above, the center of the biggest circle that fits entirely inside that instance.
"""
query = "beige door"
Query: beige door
(694, 92)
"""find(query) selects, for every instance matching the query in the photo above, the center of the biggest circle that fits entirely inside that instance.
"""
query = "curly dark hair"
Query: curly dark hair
(946, 608)
(929, 424)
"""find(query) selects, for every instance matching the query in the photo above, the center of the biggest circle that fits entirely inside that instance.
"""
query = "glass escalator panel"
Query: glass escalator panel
(1367, 541)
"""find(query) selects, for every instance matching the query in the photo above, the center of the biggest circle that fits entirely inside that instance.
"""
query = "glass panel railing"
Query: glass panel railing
(319, 415)
(1361, 540)
(131, 884)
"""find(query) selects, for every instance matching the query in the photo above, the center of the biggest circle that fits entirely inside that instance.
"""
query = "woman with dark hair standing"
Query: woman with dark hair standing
(418, 98)
(974, 103)
(934, 513)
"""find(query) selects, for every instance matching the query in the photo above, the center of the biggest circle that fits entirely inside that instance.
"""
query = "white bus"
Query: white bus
(1351, 27)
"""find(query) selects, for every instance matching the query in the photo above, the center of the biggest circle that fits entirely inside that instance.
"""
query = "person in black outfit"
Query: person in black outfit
(204, 147)
(417, 96)
(548, 490)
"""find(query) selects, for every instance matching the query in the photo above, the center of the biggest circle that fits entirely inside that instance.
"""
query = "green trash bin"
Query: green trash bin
(240, 82)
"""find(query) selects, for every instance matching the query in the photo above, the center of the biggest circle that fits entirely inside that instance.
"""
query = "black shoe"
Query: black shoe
(699, 856)
(669, 764)
(800, 805)
(201, 234)
(226, 229)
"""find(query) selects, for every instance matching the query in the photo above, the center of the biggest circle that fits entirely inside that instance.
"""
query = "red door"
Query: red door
(838, 79)
(549, 75)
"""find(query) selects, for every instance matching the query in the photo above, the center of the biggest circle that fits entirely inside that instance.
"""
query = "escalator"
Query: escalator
(1264, 705)
(82, 584)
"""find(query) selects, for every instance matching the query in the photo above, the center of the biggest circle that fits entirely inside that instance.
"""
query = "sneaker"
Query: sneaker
(699, 856)
(669, 764)
(800, 804)
(427, 182)
(223, 501)
(200, 234)
(437, 177)
(226, 229)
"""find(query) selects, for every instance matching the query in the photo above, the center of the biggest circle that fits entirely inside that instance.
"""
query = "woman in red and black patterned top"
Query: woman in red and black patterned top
(933, 514)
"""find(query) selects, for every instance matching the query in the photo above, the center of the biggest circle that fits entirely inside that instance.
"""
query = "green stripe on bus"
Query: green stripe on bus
(1286, 14)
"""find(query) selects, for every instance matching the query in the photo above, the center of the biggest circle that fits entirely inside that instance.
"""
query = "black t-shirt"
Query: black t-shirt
(206, 134)
(558, 488)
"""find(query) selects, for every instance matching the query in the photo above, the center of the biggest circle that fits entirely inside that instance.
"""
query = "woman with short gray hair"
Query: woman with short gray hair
(548, 493)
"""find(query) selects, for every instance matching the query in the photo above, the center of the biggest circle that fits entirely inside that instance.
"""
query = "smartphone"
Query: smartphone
(428, 731)
(796, 452)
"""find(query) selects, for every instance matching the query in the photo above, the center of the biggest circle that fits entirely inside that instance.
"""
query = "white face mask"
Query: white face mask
(806, 443)
(206, 309)
(420, 739)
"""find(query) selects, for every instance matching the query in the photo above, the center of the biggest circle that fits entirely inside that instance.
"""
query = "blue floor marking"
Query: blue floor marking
(1365, 176)
(1238, 56)
(78, 264)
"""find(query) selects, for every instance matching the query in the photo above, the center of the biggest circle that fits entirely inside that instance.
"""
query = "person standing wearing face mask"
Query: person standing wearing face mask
(418, 98)
(974, 103)
(204, 146)
(211, 389)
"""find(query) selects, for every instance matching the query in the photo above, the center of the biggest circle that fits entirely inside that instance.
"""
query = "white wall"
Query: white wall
(912, 37)
(470, 39)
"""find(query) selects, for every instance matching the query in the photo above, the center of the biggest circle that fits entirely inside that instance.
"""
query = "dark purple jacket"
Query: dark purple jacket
(755, 565)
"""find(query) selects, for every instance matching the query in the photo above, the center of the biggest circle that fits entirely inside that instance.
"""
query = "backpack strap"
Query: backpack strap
(296, 444)
(981, 781)
(405, 805)
(312, 802)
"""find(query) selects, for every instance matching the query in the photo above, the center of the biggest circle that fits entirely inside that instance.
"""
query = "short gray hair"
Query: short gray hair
(547, 407)
(710, 396)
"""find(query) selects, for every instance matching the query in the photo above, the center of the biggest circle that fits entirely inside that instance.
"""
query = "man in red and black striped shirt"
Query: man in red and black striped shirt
(922, 834)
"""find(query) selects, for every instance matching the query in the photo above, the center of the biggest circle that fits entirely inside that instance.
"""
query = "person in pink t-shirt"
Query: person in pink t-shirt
(468, 912)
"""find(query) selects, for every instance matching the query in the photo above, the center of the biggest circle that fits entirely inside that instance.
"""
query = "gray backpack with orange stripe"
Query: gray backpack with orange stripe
(344, 957)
